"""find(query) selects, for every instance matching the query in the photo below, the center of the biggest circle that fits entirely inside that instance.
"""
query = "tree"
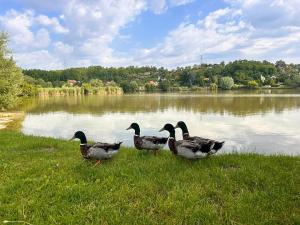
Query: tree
(164, 85)
(96, 83)
(252, 84)
(129, 87)
(11, 77)
(226, 83)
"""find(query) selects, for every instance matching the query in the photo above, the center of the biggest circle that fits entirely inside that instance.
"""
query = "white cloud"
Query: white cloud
(85, 30)
(42, 58)
(245, 29)
(51, 22)
(158, 6)
(180, 2)
(220, 31)
(62, 48)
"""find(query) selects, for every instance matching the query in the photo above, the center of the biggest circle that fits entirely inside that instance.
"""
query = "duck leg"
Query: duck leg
(97, 163)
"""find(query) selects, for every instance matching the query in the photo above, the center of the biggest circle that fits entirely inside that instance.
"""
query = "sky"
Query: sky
(57, 34)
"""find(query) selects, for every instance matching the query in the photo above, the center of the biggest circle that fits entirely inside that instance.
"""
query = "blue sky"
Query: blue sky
(55, 34)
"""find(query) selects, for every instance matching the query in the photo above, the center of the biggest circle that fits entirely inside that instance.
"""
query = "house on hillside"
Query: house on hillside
(154, 83)
(72, 82)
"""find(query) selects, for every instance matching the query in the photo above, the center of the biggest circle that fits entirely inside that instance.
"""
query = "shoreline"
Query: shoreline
(9, 118)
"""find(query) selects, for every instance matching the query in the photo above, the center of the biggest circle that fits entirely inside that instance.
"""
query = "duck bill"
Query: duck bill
(72, 138)
(129, 128)
(162, 129)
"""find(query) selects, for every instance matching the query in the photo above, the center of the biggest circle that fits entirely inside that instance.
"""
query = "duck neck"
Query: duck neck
(84, 150)
(172, 145)
(137, 131)
(185, 131)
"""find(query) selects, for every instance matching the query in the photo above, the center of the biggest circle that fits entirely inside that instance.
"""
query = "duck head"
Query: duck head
(170, 128)
(135, 127)
(81, 136)
(182, 126)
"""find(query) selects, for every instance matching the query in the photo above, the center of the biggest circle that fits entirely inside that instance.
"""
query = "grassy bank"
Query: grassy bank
(45, 181)
(70, 91)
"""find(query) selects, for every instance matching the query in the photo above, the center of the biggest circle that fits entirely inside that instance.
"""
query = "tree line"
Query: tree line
(236, 74)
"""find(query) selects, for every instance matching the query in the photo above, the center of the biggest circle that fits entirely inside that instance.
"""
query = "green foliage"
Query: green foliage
(11, 77)
(213, 86)
(28, 90)
(150, 87)
(46, 181)
(87, 88)
(164, 85)
(226, 83)
(252, 84)
(241, 71)
(129, 87)
(96, 83)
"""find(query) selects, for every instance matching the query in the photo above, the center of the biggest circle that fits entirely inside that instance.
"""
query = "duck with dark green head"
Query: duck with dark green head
(98, 151)
(147, 142)
(186, 148)
(186, 136)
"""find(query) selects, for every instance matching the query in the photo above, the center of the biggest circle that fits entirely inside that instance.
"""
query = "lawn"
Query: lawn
(46, 181)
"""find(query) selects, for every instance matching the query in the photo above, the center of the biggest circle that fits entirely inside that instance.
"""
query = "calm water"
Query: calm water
(261, 121)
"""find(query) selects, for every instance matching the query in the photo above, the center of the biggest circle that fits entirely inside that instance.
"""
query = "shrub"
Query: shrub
(252, 84)
(11, 77)
(213, 86)
(150, 87)
(226, 83)
(164, 85)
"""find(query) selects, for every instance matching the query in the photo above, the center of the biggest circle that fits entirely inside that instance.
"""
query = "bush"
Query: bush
(11, 77)
(29, 90)
(226, 83)
(96, 83)
(213, 86)
(129, 87)
(252, 84)
(150, 87)
(164, 85)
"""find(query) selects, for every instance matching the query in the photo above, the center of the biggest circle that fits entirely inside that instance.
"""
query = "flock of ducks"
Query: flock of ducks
(189, 147)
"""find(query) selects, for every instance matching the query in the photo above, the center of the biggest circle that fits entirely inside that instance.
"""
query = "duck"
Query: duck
(186, 148)
(186, 136)
(147, 142)
(98, 151)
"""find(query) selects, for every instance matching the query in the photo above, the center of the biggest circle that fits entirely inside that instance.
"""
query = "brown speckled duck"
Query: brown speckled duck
(186, 136)
(186, 148)
(98, 151)
(147, 142)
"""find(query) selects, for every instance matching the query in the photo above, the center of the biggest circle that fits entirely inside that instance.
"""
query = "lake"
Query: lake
(262, 121)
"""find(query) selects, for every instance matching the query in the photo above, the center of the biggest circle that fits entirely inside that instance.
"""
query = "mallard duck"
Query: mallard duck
(146, 142)
(98, 151)
(186, 136)
(186, 148)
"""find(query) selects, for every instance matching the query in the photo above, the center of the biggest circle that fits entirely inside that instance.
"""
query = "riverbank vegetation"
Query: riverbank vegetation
(11, 78)
(233, 75)
(46, 181)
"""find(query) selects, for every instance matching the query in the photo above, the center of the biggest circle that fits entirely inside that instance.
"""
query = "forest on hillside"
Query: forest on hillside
(240, 73)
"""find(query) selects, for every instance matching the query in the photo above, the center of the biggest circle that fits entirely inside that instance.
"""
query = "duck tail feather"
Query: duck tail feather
(218, 145)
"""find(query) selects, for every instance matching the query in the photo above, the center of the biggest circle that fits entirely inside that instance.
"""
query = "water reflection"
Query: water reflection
(261, 123)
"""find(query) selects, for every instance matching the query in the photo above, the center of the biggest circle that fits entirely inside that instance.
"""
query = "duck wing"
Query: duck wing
(188, 145)
(217, 144)
(195, 146)
(155, 140)
(107, 146)
(151, 142)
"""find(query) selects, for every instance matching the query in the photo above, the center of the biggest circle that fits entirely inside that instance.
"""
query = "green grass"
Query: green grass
(45, 181)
